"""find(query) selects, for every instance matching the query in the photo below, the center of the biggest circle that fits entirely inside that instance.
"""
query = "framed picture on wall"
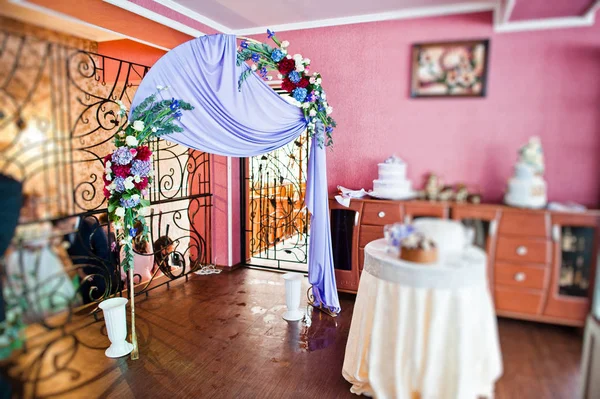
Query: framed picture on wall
(450, 69)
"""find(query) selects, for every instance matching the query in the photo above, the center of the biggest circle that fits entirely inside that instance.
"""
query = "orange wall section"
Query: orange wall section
(131, 51)
(116, 19)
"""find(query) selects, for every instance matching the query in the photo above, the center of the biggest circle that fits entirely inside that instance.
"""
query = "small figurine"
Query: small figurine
(461, 193)
(447, 194)
(432, 187)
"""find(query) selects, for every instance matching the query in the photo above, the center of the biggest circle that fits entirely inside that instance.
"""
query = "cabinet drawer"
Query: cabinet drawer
(523, 249)
(368, 234)
(524, 224)
(523, 276)
(381, 213)
(517, 300)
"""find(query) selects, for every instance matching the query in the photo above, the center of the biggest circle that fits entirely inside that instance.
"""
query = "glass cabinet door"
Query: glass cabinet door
(576, 255)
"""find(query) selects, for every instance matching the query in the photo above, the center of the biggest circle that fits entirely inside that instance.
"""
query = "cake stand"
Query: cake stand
(408, 196)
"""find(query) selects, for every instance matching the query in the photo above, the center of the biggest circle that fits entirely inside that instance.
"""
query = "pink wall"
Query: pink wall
(544, 83)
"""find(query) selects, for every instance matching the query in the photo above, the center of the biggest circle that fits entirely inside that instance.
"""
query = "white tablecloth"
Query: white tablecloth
(427, 330)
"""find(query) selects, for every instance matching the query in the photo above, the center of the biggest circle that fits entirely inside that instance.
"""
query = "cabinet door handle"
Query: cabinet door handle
(521, 250)
(520, 277)
(381, 214)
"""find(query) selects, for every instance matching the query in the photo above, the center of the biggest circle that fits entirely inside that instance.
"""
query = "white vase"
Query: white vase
(293, 290)
(116, 326)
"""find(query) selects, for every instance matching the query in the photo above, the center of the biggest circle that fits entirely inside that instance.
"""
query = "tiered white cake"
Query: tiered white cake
(527, 188)
(392, 182)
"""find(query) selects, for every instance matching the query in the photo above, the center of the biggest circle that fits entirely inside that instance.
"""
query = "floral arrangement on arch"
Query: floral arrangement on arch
(304, 88)
(128, 169)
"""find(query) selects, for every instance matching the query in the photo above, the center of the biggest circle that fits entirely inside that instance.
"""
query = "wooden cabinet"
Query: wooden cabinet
(541, 264)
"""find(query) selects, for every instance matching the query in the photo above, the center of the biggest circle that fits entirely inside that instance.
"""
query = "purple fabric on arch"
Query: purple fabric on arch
(244, 123)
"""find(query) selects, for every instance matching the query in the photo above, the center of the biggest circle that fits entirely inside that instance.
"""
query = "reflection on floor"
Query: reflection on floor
(222, 336)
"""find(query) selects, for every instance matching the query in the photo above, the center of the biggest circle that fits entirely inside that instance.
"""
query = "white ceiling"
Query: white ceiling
(251, 16)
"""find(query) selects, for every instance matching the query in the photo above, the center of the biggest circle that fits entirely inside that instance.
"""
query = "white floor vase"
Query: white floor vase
(116, 326)
(293, 291)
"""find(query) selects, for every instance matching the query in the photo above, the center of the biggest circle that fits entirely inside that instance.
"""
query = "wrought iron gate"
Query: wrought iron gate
(58, 115)
(275, 234)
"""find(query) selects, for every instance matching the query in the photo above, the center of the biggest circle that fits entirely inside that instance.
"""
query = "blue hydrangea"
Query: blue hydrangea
(119, 184)
(122, 156)
(129, 203)
(277, 55)
(299, 93)
(294, 77)
(141, 168)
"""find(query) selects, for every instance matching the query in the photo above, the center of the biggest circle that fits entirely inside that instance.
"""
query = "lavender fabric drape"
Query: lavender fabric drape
(244, 123)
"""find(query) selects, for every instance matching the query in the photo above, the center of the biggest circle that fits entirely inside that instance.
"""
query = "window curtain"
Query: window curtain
(244, 123)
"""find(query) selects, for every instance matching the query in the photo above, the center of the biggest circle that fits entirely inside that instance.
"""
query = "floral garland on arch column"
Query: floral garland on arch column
(304, 88)
(128, 174)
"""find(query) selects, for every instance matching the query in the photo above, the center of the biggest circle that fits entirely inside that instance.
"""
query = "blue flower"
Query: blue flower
(178, 114)
(270, 33)
(255, 57)
(328, 129)
(263, 72)
(132, 231)
(244, 44)
(277, 55)
(122, 156)
(129, 203)
(299, 93)
(119, 183)
(141, 168)
(174, 104)
(294, 77)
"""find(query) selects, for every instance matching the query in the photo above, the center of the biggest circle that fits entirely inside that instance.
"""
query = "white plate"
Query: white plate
(407, 196)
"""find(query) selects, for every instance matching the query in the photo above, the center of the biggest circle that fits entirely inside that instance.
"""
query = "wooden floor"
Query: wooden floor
(222, 336)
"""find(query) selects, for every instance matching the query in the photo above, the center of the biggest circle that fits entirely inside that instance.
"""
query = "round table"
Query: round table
(423, 330)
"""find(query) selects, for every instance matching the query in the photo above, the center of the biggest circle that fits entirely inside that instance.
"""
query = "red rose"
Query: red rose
(286, 66)
(143, 153)
(106, 193)
(142, 184)
(121, 170)
(303, 83)
(287, 85)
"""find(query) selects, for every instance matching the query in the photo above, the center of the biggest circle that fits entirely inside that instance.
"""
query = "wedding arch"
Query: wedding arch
(235, 113)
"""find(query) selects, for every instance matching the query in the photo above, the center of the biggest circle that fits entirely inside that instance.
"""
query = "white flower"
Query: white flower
(312, 80)
(323, 96)
(305, 105)
(111, 187)
(128, 183)
(319, 81)
(253, 67)
(284, 51)
(310, 126)
(285, 44)
(329, 110)
(269, 77)
(154, 129)
(306, 61)
(141, 211)
(131, 141)
(279, 76)
(137, 178)
(138, 125)
(325, 104)
(312, 112)
(120, 104)
(108, 164)
(161, 88)
(108, 176)
(317, 92)
(297, 57)
(120, 211)
(315, 74)
(299, 68)
(117, 226)
(135, 197)
(289, 57)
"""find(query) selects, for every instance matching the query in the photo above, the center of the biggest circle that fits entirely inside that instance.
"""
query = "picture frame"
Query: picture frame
(450, 69)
